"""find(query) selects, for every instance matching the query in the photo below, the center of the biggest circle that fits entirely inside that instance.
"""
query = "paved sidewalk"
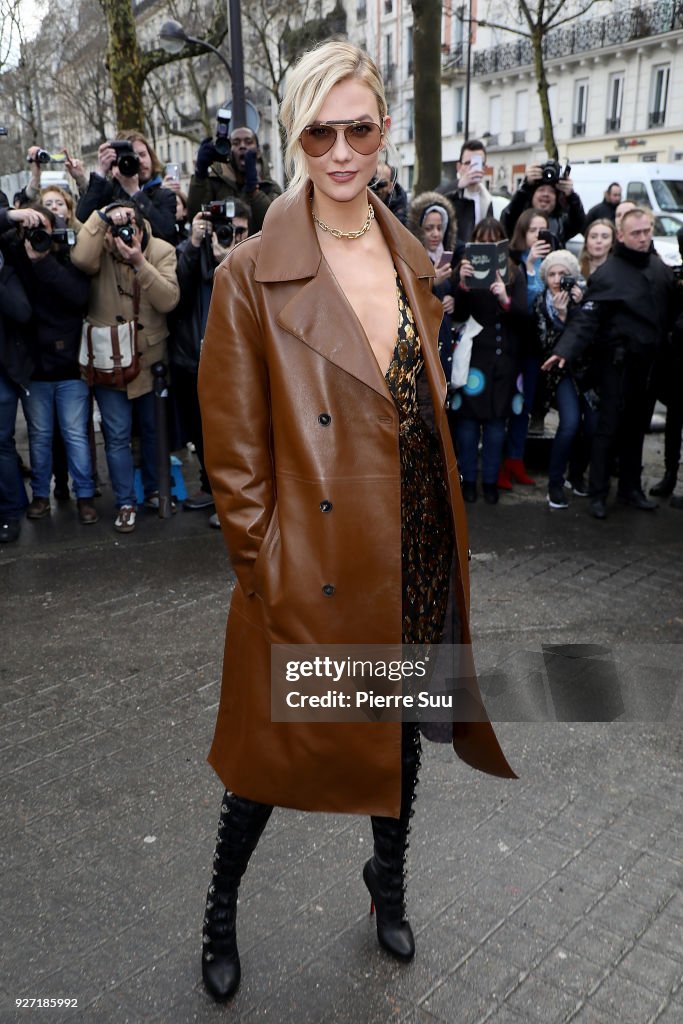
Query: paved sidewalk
(556, 898)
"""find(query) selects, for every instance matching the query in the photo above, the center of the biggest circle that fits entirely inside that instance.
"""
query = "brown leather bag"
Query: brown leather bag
(109, 355)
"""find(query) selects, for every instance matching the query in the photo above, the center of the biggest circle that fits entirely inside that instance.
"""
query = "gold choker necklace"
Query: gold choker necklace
(336, 233)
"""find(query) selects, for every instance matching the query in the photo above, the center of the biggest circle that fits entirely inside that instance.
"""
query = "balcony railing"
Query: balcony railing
(637, 22)
(453, 58)
(656, 118)
(613, 124)
(579, 128)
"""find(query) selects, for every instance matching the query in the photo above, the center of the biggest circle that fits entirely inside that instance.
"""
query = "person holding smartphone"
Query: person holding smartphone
(471, 200)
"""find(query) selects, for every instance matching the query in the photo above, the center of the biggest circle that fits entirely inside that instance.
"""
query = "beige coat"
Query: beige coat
(159, 292)
(296, 412)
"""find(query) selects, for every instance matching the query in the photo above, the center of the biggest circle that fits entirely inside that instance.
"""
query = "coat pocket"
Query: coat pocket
(265, 564)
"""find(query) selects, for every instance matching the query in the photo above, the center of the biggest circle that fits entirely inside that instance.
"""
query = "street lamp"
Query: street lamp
(173, 38)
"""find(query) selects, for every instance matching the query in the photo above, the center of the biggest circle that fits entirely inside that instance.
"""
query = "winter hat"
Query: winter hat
(563, 258)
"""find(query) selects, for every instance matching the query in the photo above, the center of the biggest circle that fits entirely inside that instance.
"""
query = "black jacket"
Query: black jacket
(157, 203)
(465, 213)
(631, 302)
(15, 311)
(601, 211)
(196, 266)
(567, 219)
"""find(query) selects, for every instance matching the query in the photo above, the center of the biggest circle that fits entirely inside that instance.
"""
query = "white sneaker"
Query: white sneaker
(213, 521)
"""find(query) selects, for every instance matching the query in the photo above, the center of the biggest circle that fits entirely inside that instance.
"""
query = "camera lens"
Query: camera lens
(224, 235)
(129, 164)
(39, 239)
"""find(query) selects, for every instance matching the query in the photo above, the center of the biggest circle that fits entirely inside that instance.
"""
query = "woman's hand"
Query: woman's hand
(561, 303)
(576, 293)
(442, 273)
(35, 166)
(75, 169)
(201, 229)
(171, 182)
(25, 218)
(539, 250)
(448, 303)
(553, 361)
(466, 271)
(132, 253)
(498, 289)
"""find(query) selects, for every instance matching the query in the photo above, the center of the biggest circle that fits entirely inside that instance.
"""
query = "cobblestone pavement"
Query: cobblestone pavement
(555, 898)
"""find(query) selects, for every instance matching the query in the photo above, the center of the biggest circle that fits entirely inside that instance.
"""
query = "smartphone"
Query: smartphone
(547, 236)
(172, 171)
(446, 258)
(476, 162)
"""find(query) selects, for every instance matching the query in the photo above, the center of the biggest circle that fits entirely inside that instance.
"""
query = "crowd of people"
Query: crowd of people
(598, 339)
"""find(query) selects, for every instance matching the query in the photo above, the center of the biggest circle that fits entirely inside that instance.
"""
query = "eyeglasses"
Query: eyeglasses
(363, 137)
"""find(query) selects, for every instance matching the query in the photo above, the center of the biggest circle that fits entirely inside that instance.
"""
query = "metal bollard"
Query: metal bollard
(163, 454)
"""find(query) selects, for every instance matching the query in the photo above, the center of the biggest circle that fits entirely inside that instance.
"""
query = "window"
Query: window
(410, 114)
(495, 114)
(580, 106)
(409, 49)
(615, 99)
(637, 192)
(521, 115)
(659, 93)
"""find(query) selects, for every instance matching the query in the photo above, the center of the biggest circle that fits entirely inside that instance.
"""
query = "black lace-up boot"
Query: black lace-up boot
(239, 830)
(384, 873)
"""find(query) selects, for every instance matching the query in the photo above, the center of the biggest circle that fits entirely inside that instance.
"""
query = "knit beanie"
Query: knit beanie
(563, 258)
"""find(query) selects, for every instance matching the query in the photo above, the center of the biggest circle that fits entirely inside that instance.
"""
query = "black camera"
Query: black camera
(127, 160)
(222, 141)
(41, 157)
(39, 238)
(551, 172)
(126, 232)
(64, 237)
(220, 212)
(567, 282)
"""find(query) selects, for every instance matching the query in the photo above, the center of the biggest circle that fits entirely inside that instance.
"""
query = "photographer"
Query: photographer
(214, 234)
(234, 170)
(58, 293)
(549, 189)
(554, 308)
(133, 279)
(385, 185)
(628, 309)
(15, 371)
(128, 168)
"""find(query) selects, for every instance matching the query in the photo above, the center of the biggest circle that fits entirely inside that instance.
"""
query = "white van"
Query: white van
(659, 186)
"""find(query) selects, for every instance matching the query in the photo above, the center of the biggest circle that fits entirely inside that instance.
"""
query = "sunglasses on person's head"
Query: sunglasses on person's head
(363, 137)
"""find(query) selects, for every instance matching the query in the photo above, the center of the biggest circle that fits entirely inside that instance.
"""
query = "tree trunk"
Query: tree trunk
(542, 88)
(427, 102)
(123, 62)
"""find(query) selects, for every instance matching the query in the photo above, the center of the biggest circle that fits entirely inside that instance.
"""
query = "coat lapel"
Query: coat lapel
(318, 307)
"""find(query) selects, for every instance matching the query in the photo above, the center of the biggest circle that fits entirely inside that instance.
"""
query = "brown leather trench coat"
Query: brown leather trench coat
(296, 412)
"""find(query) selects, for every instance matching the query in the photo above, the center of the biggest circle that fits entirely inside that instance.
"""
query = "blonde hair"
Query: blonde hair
(308, 85)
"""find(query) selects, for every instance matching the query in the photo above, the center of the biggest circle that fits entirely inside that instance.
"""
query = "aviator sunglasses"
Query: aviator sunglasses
(363, 137)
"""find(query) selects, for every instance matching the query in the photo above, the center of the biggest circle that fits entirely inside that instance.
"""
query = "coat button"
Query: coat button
(328, 590)
(325, 506)
(324, 419)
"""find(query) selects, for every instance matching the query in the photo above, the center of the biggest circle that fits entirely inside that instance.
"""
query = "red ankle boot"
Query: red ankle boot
(504, 481)
(516, 471)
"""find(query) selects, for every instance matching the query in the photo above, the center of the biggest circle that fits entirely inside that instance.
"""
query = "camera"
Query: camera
(41, 157)
(551, 172)
(220, 212)
(126, 232)
(567, 282)
(39, 238)
(222, 141)
(127, 160)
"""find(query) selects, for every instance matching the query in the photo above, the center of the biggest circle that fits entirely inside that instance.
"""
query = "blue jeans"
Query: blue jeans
(70, 400)
(13, 498)
(467, 432)
(117, 426)
(518, 423)
(569, 410)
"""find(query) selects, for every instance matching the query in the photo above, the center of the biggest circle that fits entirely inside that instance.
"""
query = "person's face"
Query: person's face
(140, 149)
(598, 241)
(241, 141)
(614, 195)
(621, 209)
(536, 224)
(432, 231)
(56, 203)
(552, 278)
(466, 162)
(341, 174)
(240, 227)
(545, 198)
(636, 233)
(383, 174)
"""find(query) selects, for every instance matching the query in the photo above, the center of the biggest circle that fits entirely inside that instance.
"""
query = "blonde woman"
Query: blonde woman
(340, 506)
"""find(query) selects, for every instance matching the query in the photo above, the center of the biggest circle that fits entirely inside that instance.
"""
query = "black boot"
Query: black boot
(384, 873)
(239, 830)
(666, 486)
